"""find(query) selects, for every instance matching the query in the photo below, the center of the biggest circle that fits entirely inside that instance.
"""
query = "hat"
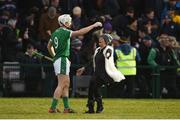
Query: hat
(124, 39)
(76, 43)
(147, 38)
(115, 36)
(107, 26)
(107, 38)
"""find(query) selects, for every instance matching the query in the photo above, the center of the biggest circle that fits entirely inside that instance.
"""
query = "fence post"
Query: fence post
(1, 81)
(156, 82)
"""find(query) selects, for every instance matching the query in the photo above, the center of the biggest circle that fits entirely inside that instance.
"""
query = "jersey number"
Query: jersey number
(56, 42)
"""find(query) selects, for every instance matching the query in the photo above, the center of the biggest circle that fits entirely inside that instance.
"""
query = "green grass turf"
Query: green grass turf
(36, 108)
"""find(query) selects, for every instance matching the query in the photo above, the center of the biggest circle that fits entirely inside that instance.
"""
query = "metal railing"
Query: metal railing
(39, 79)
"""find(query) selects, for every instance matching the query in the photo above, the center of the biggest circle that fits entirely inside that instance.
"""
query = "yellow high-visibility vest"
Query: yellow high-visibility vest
(126, 64)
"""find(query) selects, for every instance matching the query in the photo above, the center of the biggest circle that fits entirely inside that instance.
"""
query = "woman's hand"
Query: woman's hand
(80, 71)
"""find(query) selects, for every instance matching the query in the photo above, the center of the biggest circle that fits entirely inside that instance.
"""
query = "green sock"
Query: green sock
(65, 101)
(54, 103)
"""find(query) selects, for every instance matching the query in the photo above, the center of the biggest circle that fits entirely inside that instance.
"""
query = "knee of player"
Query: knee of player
(67, 84)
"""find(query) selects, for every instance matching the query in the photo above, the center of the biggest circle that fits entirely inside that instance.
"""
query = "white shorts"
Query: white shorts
(62, 66)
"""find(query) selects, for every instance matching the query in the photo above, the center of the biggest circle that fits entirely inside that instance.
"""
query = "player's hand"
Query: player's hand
(48, 32)
(80, 71)
(97, 24)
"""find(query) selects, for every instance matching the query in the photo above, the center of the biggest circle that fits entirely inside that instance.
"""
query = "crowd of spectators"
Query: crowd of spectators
(28, 24)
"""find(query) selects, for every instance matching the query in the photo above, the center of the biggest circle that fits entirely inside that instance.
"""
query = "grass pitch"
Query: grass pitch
(36, 108)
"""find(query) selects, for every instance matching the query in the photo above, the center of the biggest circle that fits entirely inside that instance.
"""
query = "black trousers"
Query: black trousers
(94, 92)
(129, 82)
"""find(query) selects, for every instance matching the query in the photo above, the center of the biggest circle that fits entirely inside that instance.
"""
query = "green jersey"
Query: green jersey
(60, 40)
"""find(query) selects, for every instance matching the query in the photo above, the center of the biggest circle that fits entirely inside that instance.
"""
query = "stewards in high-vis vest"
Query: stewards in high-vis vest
(126, 57)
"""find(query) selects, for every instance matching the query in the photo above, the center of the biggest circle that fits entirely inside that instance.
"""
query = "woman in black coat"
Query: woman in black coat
(105, 72)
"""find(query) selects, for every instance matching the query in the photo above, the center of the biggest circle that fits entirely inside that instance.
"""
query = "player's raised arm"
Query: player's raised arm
(86, 29)
(66, 20)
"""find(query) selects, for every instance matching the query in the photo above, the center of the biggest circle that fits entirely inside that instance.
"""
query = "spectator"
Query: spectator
(115, 40)
(144, 49)
(173, 5)
(47, 24)
(23, 6)
(131, 31)
(10, 6)
(121, 21)
(9, 41)
(168, 26)
(142, 32)
(78, 20)
(125, 60)
(107, 28)
(176, 17)
(75, 58)
(144, 80)
(31, 73)
(174, 44)
(29, 30)
(150, 22)
(86, 55)
(45, 3)
(98, 8)
(112, 4)
(55, 3)
(163, 56)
